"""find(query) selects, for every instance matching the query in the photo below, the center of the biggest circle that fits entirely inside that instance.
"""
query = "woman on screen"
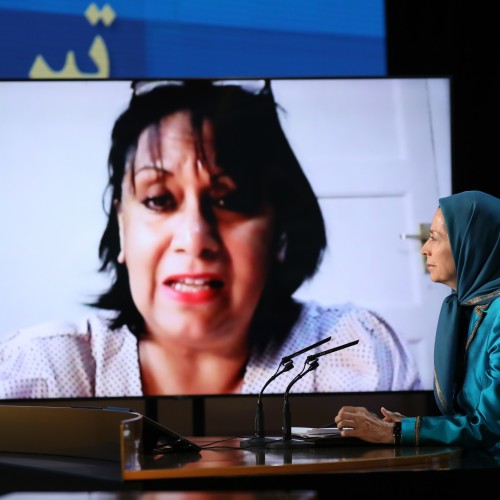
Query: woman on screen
(212, 226)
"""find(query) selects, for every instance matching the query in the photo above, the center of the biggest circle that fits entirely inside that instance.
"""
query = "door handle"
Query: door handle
(423, 236)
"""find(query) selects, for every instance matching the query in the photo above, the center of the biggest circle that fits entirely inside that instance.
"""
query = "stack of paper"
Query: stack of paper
(315, 432)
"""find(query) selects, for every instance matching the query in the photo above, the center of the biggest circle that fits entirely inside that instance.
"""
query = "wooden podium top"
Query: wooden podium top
(143, 450)
(89, 449)
(221, 457)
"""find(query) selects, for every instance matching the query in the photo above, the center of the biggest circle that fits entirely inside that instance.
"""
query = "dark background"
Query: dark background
(457, 38)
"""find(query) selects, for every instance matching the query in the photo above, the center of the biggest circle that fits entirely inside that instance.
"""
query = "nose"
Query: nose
(424, 250)
(195, 233)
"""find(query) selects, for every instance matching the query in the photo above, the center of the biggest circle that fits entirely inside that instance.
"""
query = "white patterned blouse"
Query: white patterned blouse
(87, 359)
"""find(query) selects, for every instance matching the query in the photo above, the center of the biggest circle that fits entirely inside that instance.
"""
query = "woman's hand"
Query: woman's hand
(356, 421)
(391, 416)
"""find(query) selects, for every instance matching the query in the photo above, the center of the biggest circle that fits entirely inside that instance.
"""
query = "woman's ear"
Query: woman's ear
(282, 245)
(121, 255)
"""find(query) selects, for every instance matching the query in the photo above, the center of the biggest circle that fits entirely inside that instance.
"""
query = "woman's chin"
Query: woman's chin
(182, 330)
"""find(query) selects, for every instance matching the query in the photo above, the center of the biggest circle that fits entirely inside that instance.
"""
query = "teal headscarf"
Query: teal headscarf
(473, 222)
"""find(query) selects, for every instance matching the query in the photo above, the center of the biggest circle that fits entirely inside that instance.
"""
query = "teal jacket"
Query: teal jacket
(476, 422)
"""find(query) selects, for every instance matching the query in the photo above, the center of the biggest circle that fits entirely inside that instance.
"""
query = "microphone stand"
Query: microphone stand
(287, 441)
(287, 419)
(259, 437)
(310, 364)
(286, 364)
(259, 417)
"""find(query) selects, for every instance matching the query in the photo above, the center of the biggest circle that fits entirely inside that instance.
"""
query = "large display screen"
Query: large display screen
(224, 226)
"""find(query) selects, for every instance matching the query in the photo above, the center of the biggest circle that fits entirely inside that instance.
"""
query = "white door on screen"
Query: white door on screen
(378, 155)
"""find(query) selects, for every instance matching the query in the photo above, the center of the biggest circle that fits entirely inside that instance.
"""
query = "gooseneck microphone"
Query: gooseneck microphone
(285, 359)
(286, 364)
(259, 416)
(310, 364)
(312, 357)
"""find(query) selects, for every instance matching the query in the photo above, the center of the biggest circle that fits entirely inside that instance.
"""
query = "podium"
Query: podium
(85, 448)
(116, 434)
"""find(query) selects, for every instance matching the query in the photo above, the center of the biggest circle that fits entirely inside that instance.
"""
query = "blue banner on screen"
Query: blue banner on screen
(191, 38)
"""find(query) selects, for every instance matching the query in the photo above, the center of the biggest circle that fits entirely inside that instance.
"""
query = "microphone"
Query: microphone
(310, 364)
(285, 359)
(259, 417)
(286, 364)
(312, 357)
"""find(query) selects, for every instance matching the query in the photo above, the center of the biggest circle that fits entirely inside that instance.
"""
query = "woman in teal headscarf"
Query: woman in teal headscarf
(462, 252)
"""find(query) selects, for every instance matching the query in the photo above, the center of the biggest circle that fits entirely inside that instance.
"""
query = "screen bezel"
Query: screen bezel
(51, 82)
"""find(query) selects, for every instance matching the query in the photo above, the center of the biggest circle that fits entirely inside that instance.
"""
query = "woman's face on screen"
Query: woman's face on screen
(197, 257)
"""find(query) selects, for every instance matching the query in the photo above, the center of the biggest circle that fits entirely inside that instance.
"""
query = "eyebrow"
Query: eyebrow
(438, 231)
(161, 169)
(156, 168)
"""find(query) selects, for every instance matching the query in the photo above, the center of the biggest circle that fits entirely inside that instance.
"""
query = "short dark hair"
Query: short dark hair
(251, 146)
